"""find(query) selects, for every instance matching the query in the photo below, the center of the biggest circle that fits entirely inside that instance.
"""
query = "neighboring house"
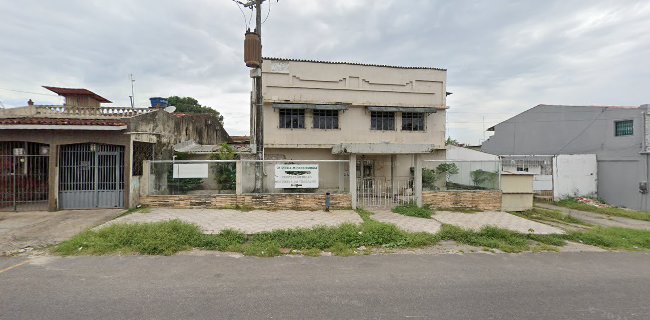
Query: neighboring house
(382, 116)
(467, 154)
(82, 155)
(618, 136)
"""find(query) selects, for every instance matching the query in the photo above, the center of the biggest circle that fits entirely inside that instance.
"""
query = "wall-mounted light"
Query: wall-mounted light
(93, 147)
(44, 150)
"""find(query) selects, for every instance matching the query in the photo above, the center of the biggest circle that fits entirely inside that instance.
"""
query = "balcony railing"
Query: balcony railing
(88, 112)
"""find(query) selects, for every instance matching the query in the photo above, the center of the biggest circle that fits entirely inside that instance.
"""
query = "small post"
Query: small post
(327, 202)
(418, 180)
(353, 180)
(238, 177)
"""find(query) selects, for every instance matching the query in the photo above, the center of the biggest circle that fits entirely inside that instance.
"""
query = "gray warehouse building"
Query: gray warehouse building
(618, 136)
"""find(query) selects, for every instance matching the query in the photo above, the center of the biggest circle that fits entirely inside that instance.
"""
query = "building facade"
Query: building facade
(618, 136)
(385, 117)
(81, 156)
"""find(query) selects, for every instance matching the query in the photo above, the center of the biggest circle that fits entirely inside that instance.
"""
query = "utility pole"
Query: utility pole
(132, 96)
(253, 59)
(259, 110)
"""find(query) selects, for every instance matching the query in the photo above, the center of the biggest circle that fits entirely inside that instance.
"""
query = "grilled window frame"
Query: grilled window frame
(623, 128)
(325, 119)
(413, 121)
(382, 120)
(292, 118)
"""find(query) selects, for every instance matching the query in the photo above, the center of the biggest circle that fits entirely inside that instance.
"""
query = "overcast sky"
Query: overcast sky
(503, 57)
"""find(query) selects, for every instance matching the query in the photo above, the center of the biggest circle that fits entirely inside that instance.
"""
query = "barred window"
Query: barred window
(326, 119)
(292, 118)
(413, 121)
(141, 151)
(382, 120)
(623, 128)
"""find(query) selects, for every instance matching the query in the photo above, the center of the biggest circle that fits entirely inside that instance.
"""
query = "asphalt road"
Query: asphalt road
(472, 286)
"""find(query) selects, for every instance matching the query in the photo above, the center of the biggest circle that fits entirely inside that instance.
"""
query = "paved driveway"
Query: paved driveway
(35, 229)
(249, 222)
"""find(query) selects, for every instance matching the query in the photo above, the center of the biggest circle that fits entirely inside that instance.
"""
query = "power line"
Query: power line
(268, 12)
(42, 94)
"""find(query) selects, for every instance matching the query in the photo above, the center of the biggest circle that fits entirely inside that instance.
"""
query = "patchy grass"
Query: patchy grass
(169, 237)
(412, 210)
(572, 203)
(501, 239)
(548, 215)
(613, 238)
(240, 207)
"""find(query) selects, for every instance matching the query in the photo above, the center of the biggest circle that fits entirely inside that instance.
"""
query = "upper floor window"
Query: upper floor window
(326, 119)
(413, 121)
(623, 128)
(292, 118)
(382, 120)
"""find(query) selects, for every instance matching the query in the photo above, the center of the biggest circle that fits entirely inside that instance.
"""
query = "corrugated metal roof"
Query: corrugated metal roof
(72, 91)
(60, 121)
(352, 63)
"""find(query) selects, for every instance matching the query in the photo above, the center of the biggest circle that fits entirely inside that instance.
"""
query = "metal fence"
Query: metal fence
(212, 177)
(192, 177)
(23, 182)
(450, 175)
(379, 192)
(296, 176)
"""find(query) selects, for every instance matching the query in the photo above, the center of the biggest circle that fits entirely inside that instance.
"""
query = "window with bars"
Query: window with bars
(326, 119)
(382, 120)
(623, 128)
(141, 151)
(413, 121)
(292, 118)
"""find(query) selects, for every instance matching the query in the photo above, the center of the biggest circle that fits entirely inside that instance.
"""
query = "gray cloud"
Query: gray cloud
(502, 56)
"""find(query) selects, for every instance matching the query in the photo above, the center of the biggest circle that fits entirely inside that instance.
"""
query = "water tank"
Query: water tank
(158, 102)
(252, 50)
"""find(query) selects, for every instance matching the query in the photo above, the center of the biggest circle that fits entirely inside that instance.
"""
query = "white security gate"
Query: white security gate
(91, 176)
(379, 193)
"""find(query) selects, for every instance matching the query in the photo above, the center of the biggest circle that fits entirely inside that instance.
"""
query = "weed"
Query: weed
(412, 210)
(548, 215)
(613, 238)
(572, 203)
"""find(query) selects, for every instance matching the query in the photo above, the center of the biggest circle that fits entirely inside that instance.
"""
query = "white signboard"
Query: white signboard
(190, 170)
(296, 176)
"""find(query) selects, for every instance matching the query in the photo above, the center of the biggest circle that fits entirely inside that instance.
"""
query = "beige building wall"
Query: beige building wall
(360, 86)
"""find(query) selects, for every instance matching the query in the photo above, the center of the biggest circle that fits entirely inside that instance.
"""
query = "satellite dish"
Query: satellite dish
(170, 109)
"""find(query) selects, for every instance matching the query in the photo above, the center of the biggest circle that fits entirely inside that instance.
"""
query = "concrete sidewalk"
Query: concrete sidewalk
(214, 221)
(471, 221)
(598, 218)
(35, 229)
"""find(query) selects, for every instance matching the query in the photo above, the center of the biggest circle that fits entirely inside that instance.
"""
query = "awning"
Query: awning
(404, 109)
(384, 148)
(313, 106)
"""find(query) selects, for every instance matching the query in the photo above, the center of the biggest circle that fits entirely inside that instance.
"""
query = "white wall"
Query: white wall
(574, 175)
(460, 153)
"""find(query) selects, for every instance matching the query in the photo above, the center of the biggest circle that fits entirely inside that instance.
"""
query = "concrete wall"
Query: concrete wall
(359, 86)
(265, 201)
(481, 200)
(622, 161)
(574, 175)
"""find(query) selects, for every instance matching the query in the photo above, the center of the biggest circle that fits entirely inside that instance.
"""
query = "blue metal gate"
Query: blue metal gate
(91, 176)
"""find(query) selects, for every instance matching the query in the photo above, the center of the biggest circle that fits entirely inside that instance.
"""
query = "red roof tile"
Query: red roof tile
(63, 122)
(80, 92)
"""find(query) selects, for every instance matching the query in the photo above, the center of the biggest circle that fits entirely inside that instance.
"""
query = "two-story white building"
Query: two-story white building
(384, 116)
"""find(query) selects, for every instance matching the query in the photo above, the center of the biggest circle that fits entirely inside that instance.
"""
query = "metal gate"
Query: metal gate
(91, 176)
(378, 193)
(23, 176)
